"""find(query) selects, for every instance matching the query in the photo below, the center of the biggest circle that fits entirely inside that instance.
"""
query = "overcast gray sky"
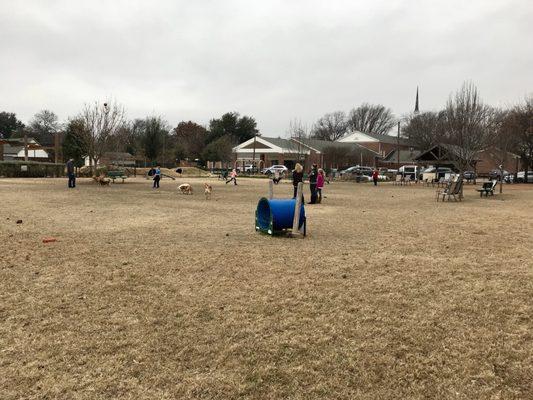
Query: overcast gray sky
(274, 60)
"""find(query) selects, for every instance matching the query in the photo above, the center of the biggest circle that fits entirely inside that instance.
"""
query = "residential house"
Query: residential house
(381, 144)
(14, 149)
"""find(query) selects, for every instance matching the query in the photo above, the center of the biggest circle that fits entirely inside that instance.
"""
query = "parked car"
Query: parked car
(521, 175)
(469, 175)
(282, 169)
(497, 174)
(432, 173)
(358, 170)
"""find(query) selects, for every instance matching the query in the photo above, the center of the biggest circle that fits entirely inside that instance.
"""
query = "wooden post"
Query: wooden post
(298, 205)
(25, 147)
(1, 150)
(270, 189)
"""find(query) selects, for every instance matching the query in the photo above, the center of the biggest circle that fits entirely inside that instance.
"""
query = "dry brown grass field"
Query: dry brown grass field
(154, 295)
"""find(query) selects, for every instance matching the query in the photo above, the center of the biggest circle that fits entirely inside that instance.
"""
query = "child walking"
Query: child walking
(320, 184)
(157, 177)
(232, 176)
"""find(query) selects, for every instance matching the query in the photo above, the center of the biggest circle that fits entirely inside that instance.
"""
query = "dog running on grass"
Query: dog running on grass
(185, 188)
(208, 189)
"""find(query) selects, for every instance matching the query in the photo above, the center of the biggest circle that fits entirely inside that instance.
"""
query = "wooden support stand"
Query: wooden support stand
(296, 232)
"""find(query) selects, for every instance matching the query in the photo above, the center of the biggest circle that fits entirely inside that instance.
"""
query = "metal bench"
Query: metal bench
(116, 175)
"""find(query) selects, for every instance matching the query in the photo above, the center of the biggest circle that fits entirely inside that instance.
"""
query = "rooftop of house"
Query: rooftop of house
(405, 155)
(373, 137)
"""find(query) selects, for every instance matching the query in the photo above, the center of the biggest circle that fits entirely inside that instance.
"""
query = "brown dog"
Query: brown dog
(102, 180)
(208, 189)
(185, 188)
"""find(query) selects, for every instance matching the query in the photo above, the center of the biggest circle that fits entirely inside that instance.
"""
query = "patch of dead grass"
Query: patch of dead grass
(150, 294)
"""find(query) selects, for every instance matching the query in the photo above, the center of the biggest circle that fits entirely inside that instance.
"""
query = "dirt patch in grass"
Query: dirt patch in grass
(152, 294)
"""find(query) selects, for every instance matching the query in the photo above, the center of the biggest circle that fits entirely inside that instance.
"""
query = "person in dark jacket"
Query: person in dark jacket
(71, 174)
(157, 177)
(297, 177)
(313, 174)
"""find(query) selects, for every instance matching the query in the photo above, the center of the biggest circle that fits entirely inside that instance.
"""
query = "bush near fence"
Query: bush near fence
(32, 169)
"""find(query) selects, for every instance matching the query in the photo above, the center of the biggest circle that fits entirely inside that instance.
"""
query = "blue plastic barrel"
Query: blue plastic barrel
(277, 214)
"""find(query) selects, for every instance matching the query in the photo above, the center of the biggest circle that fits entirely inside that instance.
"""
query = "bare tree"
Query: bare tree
(518, 126)
(468, 124)
(423, 130)
(101, 121)
(330, 127)
(370, 118)
(299, 131)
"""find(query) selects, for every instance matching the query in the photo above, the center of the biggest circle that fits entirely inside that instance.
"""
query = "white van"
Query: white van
(413, 170)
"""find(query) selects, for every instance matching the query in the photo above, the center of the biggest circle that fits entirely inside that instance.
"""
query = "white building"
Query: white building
(14, 150)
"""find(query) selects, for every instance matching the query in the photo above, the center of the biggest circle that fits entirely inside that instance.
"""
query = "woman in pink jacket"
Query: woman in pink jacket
(320, 184)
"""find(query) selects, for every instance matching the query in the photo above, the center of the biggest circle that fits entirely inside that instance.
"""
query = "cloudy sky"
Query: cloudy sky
(274, 60)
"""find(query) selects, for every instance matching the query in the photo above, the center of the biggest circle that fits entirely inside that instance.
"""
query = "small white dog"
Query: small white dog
(185, 188)
(208, 189)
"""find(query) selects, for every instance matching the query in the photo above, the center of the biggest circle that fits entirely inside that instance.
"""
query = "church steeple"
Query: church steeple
(416, 102)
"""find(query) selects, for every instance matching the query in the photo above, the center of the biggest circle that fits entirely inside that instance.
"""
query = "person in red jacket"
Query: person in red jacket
(375, 175)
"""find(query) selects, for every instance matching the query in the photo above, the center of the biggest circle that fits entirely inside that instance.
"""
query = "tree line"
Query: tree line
(465, 121)
(103, 127)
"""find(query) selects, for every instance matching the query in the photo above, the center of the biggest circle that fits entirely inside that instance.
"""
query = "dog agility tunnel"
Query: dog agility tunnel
(276, 215)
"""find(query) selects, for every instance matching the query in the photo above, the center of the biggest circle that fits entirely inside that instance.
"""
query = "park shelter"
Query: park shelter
(396, 158)
(266, 151)
(486, 160)
(14, 149)
(443, 155)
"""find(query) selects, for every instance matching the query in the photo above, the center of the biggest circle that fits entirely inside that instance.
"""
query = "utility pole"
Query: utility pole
(253, 156)
(56, 147)
(398, 146)
(25, 147)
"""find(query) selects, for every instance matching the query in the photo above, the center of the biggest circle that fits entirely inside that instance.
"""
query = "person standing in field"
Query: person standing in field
(71, 174)
(157, 177)
(313, 174)
(297, 177)
(320, 184)
(375, 176)
(232, 177)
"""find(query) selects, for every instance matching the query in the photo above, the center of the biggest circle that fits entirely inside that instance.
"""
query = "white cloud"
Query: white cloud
(274, 60)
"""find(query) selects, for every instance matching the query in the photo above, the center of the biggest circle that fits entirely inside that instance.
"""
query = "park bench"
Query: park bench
(487, 188)
(116, 175)
(452, 189)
